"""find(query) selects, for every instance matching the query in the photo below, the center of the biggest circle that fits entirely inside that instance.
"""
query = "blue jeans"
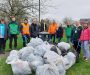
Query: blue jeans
(85, 48)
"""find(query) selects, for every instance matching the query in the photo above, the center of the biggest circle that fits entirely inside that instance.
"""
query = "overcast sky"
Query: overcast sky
(75, 9)
(68, 8)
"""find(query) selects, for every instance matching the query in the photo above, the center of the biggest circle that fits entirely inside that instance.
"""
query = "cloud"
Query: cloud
(69, 8)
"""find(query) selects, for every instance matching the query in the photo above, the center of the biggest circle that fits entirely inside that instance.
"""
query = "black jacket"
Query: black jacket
(59, 32)
(34, 30)
(75, 34)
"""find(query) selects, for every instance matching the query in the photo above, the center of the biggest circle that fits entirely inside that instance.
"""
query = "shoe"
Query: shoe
(87, 60)
(84, 57)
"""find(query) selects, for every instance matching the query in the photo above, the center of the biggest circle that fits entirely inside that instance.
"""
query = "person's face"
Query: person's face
(85, 25)
(2, 22)
(35, 21)
(42, 21)
(67, 22)
(77, 23)
(25, 21)
(54, 21)
(13, 19)
(60, 25)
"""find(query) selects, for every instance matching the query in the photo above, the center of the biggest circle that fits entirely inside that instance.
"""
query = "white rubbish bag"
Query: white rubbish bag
(61, 69)
(55, 49)
(65, 63)
(71, 58)
(13, 56)
(25, 52)
(47, 69)
(41, 49)
(35, 64)
(35, 42)
(35, 61)
(52, 57)
(20, 67)
(64, 45)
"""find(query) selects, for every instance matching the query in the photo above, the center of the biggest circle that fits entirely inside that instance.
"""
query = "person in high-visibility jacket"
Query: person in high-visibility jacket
(25, 31)
(52, 30)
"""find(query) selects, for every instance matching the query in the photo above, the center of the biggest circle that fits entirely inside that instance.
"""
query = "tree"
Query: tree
(21, 8)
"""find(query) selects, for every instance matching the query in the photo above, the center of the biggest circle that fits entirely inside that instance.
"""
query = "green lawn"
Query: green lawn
(81, 68)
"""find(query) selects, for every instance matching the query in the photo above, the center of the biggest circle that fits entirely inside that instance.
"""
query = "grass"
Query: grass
(81, 68)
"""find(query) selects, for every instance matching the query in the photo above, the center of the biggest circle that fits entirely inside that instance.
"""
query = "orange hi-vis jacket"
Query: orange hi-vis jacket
(25, 28)
(52, 28)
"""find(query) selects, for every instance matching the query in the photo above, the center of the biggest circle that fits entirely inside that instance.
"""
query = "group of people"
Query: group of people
(77, 34)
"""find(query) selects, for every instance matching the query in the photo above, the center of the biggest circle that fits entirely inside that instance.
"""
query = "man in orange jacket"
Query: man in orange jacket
(25, 31)
(52, 30)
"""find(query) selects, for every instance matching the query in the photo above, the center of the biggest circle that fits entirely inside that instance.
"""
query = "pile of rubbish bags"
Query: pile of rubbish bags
(41, 57)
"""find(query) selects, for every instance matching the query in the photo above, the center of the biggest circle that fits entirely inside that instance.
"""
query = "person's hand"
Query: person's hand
(29, 35)
(89, 41)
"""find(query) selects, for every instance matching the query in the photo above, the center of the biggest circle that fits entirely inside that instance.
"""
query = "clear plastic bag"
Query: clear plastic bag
(41, 49)
(55, 49)
(35, 42)
(13, 56)
(21, 68)
(65, 63)
(47, 69)
(71, 58)
(61, 69)
(52, 57)
(34, 65)
(35, 61)
(25, 52)
(33, 57)
(64, 45)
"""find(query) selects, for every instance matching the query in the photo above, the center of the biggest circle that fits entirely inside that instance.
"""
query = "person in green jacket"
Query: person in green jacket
(68, 31)
(13, 32)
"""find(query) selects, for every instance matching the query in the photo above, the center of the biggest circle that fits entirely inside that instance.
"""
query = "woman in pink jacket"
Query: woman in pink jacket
(84, 38)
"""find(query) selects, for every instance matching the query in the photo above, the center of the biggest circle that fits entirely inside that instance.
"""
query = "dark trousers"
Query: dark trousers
(59, 39)
(77, 47)
(43, 37)
(2, 44)
(52, 36)
(13, 37)
(26, 39)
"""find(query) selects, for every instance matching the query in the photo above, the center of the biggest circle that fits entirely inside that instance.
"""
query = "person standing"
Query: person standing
(52, 30)
(34, 29)
(75, 35)
(43, 26)
(59, 33)
(85, 38)
(25, 31)
(13, 32)
(68, 30)
(3, 36)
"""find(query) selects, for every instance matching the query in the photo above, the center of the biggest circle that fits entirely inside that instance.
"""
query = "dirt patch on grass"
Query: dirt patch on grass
(4, 55)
